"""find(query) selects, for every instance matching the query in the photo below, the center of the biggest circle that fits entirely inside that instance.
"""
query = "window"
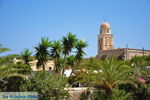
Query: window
(100, 47)
(108, 39)
(50, 68)
(107, 30)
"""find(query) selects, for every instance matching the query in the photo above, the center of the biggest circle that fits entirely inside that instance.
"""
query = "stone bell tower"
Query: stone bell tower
(105, 38)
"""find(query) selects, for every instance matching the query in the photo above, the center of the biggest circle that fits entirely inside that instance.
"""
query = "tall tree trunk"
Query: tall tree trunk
(72, 71)
(73, 68)
(63, 68)
(56, 66)
(43, 67)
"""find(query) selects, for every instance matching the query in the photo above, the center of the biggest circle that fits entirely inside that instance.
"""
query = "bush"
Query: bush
(49, 86)
(85, 95)
(140, 92)
(115, 95)
(11, 84)
(12, 76)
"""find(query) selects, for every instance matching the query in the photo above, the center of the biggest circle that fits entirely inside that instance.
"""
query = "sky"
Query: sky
(24, 22)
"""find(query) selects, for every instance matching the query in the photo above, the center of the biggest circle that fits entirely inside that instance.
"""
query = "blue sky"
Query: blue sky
(24, 22)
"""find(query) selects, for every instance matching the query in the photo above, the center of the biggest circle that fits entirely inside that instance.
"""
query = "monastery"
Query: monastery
(106, 47)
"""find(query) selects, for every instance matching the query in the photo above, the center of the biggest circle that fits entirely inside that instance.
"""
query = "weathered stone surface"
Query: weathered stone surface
(106, 47)
(75, 93)
(124, 53)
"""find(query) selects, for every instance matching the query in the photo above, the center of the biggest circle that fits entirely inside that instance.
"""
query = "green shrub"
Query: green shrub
(49, 86)
(115, 95)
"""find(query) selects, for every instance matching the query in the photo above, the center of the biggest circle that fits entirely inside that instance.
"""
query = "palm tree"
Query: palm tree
(60, 64)
(71, 61)
(2, 49)
(110, 75)
(80, 45)
(55, 53)
(42, 52)
(113, 73)
(26, 56)
(68, 44)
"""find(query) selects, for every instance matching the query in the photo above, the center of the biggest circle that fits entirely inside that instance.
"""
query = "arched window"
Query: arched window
(107, 30)
(100, 31)
(100, 47)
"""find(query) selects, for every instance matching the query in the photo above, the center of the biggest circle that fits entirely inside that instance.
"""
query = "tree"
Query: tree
(71, 61)
(49, 86)
(140, 61)
(91, 63)
(9, 70)
(68, 44)
(42, 52)
(26, 56)
(60, 63)
(8, 59)
(55, 53)
(12, 76)
(80, 45)
(111, 74)
(2, 49)
(116, 95)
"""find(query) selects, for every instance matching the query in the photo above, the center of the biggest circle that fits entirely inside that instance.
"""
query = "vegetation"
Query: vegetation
(111, 78)
(68, 44)
(111, 75)
(140, 61)
(116, 95)
(48, 85)
(55, 54)
(42, 52)
(2, 49)
(80, 45)
(12, 75)
(26, 56)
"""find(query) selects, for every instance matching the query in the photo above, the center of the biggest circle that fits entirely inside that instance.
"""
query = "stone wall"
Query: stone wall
(75, 93)
(113, 52)
(125, 53)
(137, 52)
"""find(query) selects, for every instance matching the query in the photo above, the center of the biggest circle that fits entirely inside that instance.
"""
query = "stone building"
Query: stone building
(49, 65)
(105, 38)
(106, 46)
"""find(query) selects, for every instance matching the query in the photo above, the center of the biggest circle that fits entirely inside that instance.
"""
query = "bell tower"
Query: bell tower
(105, 38)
